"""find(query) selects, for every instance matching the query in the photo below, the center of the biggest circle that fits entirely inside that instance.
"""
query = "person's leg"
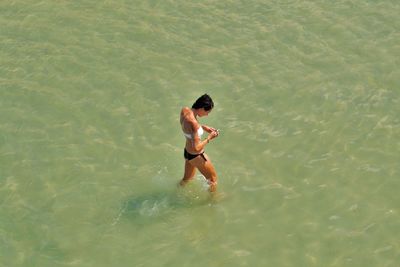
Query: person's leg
(190, 171)
(207, 169)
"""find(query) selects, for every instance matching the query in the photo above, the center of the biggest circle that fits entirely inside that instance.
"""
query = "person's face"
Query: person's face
(204, 112)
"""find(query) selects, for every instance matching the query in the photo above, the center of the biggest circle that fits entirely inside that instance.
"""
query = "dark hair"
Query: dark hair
(205, 102)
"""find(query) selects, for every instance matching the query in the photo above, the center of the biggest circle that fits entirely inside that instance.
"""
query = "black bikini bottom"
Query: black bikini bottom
(189, 156)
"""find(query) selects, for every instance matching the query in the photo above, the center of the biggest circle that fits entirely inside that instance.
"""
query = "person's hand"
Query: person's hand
(213, 134)
(212, 129)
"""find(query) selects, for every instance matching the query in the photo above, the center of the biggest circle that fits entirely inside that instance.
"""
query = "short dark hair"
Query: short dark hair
(205, 102)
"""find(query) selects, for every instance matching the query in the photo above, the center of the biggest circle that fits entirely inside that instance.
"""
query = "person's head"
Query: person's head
(203, 105)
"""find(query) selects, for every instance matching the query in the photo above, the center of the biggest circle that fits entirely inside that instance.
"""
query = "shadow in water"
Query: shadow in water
(160, 206)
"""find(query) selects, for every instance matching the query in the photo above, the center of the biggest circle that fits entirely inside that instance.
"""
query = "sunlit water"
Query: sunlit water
(306, 96)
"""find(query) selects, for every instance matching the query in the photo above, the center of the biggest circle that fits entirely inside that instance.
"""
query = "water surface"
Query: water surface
(306, 96)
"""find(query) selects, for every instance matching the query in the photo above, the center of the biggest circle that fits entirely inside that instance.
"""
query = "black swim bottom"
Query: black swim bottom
(189, 156)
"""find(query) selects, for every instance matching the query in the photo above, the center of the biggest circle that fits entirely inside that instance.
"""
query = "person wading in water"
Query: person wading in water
(195, 157)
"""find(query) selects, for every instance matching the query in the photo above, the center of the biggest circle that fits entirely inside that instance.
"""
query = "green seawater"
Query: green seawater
(307, 97)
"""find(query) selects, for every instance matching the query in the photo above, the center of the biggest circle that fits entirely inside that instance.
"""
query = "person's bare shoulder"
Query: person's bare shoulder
(185, 110)
(186, 113)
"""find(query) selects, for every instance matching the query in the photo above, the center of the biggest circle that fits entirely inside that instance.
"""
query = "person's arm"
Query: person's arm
(198, 144)
(208, 129)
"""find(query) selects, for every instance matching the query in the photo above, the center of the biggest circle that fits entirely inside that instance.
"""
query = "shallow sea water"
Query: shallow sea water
(306, 96)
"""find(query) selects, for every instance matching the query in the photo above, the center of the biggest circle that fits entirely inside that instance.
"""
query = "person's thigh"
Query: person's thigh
(205, 167)
(190, 170)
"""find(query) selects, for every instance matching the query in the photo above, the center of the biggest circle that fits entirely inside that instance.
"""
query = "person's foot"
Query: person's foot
(182, 183)
(212, 188)
(217, 196)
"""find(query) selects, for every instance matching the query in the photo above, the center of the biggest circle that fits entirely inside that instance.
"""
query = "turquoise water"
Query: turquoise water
(306, 96)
